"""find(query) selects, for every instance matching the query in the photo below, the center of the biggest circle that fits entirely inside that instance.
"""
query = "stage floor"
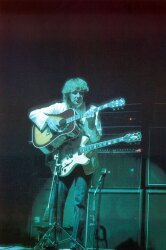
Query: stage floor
(15, 247)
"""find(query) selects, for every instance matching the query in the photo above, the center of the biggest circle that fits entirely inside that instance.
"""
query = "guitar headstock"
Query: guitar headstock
(133, 137)
(117, 104)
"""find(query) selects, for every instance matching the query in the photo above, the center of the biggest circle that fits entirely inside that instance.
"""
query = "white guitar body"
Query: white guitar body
(68, 164)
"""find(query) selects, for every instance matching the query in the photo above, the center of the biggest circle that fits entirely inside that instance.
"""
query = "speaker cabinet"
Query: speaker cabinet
(156, 219)
(113, 218)
(156, 164)
(123, 170)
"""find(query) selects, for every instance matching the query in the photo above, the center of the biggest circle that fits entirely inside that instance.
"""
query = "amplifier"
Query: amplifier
(123, 168)
(156, 170)
(114, 219)
(155, 219)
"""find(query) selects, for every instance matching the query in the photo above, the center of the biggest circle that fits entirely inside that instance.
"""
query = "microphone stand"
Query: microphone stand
(53, 198)
(98, 187)
(45, 239)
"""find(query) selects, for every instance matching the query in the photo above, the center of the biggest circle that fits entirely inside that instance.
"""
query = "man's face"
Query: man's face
(76, 98)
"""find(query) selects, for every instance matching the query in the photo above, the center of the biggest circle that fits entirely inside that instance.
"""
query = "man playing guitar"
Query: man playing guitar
(50, 120)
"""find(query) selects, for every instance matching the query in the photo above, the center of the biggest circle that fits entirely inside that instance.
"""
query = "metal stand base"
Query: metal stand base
(46, 240)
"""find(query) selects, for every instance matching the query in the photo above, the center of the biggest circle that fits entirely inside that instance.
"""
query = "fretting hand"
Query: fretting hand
(91, 116)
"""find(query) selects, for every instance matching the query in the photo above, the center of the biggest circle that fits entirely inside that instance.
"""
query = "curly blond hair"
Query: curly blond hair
(72, 85)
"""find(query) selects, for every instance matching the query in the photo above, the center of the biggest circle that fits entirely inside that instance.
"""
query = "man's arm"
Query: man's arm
(41, 117)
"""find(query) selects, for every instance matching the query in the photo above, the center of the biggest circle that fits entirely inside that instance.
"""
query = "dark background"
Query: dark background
(119, 47)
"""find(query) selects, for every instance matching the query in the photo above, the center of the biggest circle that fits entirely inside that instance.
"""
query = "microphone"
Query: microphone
(103, 171)
(102, 174)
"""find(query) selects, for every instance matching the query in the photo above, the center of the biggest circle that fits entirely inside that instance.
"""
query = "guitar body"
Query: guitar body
(68, 165)
(85, 155)
(47, 141)
(69, 162)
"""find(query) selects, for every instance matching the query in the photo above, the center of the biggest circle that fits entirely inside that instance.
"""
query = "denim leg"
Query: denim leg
(80, 201)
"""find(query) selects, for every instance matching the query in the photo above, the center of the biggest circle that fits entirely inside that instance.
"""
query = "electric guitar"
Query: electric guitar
(69, 163)
(47, 141)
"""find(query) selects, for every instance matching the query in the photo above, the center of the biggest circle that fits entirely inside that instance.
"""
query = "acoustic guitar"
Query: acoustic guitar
(47, 140)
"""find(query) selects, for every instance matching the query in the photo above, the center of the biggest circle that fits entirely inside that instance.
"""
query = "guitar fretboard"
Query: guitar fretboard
(113, 104)
(91, 147)
(128, 138)
(80, 116)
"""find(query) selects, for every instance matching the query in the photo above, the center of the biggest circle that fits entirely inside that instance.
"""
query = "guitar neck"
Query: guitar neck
(102, 144)
(74, 118)
(80, 116)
